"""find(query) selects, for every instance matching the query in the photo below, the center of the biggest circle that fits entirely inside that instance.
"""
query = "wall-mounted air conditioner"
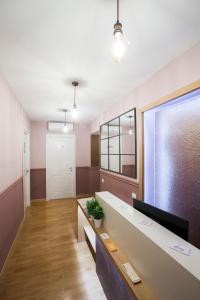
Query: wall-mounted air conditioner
(58, 127)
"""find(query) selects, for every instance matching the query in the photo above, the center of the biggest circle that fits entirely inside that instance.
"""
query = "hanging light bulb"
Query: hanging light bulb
(65, 128)
(119, 46)
(74, 111)
(130, 131)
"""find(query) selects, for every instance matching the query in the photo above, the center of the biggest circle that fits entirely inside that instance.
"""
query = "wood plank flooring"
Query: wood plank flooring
(47, 263)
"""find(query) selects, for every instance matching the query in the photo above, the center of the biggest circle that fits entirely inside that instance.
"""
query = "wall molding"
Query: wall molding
(119, 177)
(119, 186)
(10, 187)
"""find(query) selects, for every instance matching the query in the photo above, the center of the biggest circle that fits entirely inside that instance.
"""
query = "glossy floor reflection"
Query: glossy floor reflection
(47, 263)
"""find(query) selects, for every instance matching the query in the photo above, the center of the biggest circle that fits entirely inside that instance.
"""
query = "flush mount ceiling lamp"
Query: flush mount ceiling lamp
(74, 111)
(119, 46)
(65, 128)
(130, 131)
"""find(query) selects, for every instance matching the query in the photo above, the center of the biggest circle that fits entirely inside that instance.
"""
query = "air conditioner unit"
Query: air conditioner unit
(58, 127)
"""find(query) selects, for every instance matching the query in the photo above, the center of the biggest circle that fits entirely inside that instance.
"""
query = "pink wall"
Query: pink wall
(180, 72)
(82, 132)
(13, 122)
(38, 132)
(183, 70)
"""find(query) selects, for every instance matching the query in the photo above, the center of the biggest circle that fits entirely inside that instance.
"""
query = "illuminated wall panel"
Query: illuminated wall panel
(172, 159)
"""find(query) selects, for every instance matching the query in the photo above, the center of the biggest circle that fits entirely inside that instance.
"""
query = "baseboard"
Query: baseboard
(84, 196)
(38, 200)
(13, 245)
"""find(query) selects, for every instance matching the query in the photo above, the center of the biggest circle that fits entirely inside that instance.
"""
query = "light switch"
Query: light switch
(133, 195)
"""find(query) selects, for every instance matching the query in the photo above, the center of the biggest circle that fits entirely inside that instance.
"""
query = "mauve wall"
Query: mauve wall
(120, 186)
(13, 123)
(87, 180)
(180, 72)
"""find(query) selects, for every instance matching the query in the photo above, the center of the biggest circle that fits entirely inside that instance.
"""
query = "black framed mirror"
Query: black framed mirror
(118, 145)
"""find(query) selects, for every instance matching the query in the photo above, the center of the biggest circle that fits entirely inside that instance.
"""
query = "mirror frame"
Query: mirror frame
(120, 154)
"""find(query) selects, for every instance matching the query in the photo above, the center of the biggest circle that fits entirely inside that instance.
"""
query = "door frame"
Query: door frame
(74, 162)
(27, 202)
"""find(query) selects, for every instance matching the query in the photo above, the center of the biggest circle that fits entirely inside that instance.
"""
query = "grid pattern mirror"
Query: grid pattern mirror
(118, 145)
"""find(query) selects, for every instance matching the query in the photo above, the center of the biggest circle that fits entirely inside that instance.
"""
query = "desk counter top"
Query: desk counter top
(140, 290)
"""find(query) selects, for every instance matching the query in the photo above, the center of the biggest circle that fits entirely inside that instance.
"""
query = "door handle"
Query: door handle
(70, 169)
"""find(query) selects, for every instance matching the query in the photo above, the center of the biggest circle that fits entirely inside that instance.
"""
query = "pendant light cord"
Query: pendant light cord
(75, 96)
(65, 118)
(117, 10)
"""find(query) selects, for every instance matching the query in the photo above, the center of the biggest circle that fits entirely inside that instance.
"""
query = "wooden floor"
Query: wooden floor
(47, 263)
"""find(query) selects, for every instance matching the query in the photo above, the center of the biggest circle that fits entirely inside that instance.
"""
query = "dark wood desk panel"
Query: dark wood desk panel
(111, 280)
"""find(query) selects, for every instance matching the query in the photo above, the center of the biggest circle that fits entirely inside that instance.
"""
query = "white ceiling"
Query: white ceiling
(45, 44)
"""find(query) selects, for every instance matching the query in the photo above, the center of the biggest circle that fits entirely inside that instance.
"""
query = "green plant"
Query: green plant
(98, 212)
(90, 205)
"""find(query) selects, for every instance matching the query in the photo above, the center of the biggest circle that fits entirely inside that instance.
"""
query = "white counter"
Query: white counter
(171, 274)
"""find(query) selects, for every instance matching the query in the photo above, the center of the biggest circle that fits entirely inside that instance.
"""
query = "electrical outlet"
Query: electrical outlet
(102, 180)
(133, 195)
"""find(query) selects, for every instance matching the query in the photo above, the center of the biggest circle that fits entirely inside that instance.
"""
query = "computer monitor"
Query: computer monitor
(175, 224)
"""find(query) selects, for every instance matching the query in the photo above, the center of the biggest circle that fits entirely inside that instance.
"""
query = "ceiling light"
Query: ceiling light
(65, 128)
(119, 46)
(74, 111)
(130, 131)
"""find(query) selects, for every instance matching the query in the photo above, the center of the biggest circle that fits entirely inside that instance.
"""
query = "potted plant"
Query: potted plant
(90, 205)
(98, 215)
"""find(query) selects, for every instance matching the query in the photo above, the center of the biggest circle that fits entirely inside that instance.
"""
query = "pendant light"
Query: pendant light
(119, 46)
(130, 131)
(74, 111)
(65, 128)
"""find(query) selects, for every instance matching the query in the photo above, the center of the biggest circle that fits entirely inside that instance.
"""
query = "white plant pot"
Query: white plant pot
(97, 223)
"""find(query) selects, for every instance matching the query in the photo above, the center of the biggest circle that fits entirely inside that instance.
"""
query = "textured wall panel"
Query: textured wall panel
(172, 181)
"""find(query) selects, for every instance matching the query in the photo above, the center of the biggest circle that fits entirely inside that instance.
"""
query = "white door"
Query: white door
(60, 166)
(26, 170)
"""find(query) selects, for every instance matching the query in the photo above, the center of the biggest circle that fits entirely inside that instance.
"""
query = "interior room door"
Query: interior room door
(60, 166)
(26, 169)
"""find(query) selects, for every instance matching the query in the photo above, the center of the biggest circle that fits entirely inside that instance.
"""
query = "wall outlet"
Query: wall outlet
(133, 196)
(102, 180)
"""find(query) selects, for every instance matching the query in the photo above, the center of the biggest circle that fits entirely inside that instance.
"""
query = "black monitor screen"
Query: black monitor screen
(175, 224)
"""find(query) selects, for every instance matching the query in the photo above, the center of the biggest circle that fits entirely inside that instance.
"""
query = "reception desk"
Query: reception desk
(115, 282)
(166, 274)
